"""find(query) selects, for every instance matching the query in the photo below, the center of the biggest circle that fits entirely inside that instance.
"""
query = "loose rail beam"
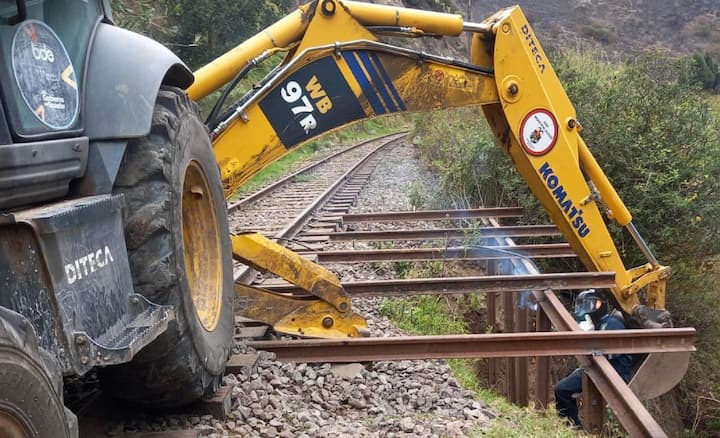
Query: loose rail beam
(479, 346)
(428, 215)
(466, 253)
(455, 285)
(632, 414)
(447, 233)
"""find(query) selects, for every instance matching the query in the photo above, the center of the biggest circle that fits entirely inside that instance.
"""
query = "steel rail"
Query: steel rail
(456, 285)
(428, 215)
(446, 233)
(480, 346)
(629, 410)
(266, 190)
(464, 253)
(296, 225)
(246, 275)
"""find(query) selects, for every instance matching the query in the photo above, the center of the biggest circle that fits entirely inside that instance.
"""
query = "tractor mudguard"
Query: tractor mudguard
(64, 267)
(124, 75)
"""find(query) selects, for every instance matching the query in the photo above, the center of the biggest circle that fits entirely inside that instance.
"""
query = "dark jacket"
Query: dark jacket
(621, 362)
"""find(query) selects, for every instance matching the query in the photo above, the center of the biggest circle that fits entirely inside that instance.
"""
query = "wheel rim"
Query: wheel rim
(203, 252)
(11, 427)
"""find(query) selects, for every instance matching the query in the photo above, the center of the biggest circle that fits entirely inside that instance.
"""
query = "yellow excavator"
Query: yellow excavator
(338, 71)
(115, 253)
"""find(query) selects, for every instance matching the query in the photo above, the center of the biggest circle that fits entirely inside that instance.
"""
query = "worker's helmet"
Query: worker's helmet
(590, 302)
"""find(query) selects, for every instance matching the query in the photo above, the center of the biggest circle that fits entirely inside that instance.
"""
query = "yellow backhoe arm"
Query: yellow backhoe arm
(328, 315)
(337, 71)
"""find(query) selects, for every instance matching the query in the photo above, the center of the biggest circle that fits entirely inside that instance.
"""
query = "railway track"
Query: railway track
(309, 211)
(330, 186)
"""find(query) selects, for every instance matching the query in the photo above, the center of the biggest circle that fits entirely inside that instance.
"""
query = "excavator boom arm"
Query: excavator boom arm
(337, 71)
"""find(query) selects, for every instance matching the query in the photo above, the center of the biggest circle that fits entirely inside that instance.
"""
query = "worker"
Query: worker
(592, 313)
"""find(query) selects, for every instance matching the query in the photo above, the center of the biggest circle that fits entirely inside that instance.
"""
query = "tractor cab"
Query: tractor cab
(43, 54)
(43, 46)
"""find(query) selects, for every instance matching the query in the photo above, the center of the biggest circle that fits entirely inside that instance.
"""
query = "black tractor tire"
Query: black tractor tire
(31, 397)
(159, 176)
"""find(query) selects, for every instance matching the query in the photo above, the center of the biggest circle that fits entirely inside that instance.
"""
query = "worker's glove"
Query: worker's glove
(587, 325)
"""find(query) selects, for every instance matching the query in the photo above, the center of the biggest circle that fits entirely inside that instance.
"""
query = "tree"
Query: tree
(706, 72)
(202, 30)
(199, 31)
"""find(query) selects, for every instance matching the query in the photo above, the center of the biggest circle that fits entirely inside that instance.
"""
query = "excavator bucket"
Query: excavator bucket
(671, 366)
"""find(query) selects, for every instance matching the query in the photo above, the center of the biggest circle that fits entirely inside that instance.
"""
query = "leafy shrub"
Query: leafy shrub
(472, 169)
(659, 144)
(598, 33)
(199, 30)
(705, 72)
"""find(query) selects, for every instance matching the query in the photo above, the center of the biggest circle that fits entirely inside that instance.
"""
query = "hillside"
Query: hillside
(621, 27)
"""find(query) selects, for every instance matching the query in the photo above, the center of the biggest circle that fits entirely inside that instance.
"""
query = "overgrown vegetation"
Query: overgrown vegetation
(657, 138)
(199, 31)
(706, 72)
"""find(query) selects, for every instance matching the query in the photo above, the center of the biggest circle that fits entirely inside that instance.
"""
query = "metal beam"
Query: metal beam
(264, 191)
(446, 233)
(631, 413)
(456, 285)
(464, 253)
(428, 215)
(479, 346)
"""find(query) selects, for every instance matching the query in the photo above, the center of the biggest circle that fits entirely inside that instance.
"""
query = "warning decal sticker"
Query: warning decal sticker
(538, 132)
(44, 75)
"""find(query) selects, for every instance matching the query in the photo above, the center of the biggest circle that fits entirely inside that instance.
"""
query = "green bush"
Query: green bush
(598, 33)
(199, 30)
(659, 144)
(473, 171)
(705, 72)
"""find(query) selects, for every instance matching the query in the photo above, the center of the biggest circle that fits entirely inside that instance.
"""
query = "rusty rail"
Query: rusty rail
(428, 215)
(464, 253)
(292, 228)
(456, 285)
(447, 233)
(296, 225)
(481, 346)
(629, 410)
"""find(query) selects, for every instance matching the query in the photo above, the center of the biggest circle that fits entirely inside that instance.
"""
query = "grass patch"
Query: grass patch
(425, 314)
(715, 105)
(518, 422)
